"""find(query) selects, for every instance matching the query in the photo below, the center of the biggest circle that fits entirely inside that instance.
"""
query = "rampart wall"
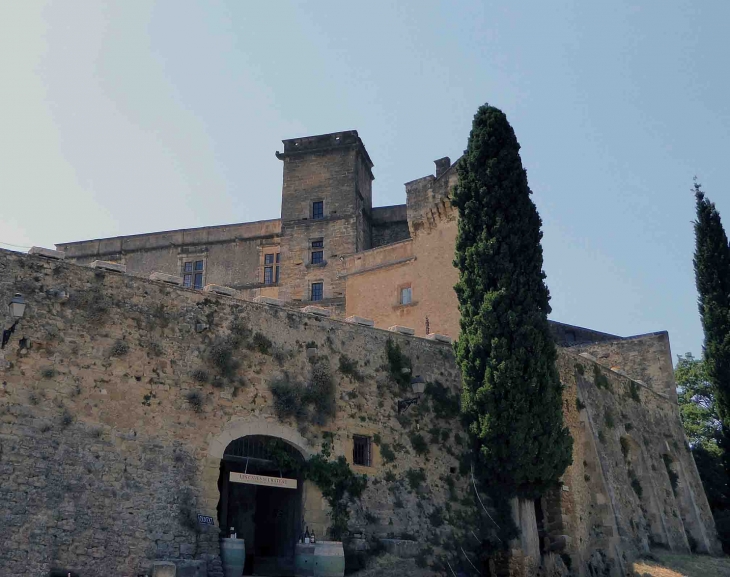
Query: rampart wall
(114, 417)
(119, 396)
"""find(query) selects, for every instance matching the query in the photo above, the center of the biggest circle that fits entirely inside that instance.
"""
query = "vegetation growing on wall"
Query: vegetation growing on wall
(512, 396)
(445, 404)
(348, 367)
(399, 365)
(313, 403)
(600, 380)
(339, 485)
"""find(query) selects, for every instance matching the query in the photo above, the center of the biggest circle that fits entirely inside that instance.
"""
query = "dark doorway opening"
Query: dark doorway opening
(267, 518)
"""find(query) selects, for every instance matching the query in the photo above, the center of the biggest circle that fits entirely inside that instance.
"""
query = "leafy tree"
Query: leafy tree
(712, 275)
(512, 398)
(696, 401)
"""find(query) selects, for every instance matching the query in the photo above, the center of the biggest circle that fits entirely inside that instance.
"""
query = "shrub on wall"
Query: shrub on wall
(313, 403)
(399, 365)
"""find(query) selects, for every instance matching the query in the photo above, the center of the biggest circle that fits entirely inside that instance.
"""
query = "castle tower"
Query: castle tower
(326, 206)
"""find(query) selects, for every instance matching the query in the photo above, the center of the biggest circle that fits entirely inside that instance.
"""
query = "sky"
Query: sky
(129, 117)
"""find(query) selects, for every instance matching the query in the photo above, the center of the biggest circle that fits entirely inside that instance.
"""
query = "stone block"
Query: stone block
(220, 290)
(439, 338)
(47, 252)
(319, 311)
(403, 548)
(163, 569)
(403, 330)
(559, 543)
(269, 301)
(360, 321)
(190, 568)
(167, 278)
(110, 266)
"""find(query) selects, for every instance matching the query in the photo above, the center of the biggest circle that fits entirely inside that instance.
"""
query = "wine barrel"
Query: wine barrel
(321, 559)
(233, 555)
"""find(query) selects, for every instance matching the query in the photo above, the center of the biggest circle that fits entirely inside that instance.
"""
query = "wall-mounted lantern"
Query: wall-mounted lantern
(418, 385)
(16, 307)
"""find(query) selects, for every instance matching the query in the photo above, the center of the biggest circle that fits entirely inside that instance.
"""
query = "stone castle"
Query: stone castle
(144, 375)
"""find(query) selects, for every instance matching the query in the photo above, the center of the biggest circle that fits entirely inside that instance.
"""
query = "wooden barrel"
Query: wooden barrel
(322, 559)
(233, 555)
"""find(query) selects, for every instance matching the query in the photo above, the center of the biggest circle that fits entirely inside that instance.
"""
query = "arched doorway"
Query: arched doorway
(261, 486)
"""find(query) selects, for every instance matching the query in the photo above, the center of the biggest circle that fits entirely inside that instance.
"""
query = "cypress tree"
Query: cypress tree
(512, 399)
(712, 275)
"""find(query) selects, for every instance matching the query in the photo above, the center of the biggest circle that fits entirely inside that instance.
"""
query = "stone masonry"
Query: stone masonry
(113, 422)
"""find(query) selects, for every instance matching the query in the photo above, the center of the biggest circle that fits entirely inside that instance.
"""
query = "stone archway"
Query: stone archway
(237, 428)
(214, 471)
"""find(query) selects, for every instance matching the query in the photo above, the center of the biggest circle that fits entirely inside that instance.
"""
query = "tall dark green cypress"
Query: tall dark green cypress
(712, 275)
(512, 395)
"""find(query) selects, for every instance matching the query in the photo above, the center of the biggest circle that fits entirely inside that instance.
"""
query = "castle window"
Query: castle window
(317, 255)
(406, 296)
(318, 209)
(269, 268)
(193, 272)
(317, 291)
(277, 269)
(361, 451)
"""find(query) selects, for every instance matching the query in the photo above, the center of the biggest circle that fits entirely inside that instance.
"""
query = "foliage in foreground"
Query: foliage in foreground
(512, 398)
(697, 408)
(712, 276)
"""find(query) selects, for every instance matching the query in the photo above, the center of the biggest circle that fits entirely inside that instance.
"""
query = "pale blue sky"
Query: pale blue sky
(128, 117)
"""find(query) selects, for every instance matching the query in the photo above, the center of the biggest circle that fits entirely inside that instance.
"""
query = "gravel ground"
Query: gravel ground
(671, 565)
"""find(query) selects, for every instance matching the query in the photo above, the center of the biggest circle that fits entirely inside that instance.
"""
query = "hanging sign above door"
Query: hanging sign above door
(249, 479)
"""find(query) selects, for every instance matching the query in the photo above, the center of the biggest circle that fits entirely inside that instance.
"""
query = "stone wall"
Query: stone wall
(232, 253)
(424, 262)
(105, 459)
(389, 225)
(618, 496)
(114, 416)
(646, 358)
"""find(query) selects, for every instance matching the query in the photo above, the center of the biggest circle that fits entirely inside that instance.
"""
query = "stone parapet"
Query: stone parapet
(167, 278)
(110, 266)
(220, 290)
(402, 330)
(319, 311)
(360, 321)
(47, 252)
(439, 338)
(269, 301)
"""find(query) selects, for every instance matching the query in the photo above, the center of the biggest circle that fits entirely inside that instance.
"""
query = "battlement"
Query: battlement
(323, 143)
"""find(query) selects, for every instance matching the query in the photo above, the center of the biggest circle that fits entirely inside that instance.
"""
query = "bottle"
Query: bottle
(233, 532)
(306, 536)
(313, 539)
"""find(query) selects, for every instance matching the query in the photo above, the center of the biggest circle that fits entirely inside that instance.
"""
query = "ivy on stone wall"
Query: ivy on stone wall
(339, 485)
(512, 393)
